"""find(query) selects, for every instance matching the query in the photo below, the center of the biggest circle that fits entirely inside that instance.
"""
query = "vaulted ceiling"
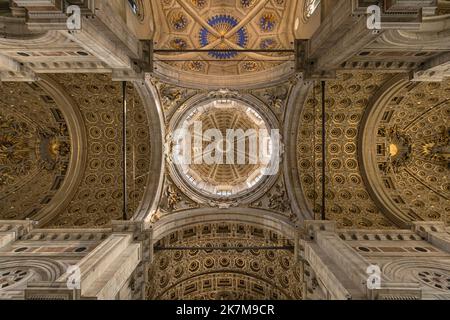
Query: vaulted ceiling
(71, 171)
(225, 271)
(387, 147)
(35, 149)
(222, 25)
(387, 160)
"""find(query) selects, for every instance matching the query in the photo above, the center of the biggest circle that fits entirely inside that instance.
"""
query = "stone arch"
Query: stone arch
(60, 149)
(155, 120)
(294, 188)
(402, 150)
(225, 271)
(433, 276)
(15, 275)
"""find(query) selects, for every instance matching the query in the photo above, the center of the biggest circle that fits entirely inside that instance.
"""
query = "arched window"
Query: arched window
(137, 7)
(134, 6)
(310, 8)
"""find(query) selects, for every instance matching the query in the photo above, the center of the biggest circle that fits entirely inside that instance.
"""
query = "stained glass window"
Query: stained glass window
(310, 7)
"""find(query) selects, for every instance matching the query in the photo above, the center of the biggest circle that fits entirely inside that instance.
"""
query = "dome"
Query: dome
(220, 149)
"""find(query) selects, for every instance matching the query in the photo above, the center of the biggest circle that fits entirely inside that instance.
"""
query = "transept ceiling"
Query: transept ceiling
(406, 140)
(35, 149)
(99, 197)
(348, 201)
(412, 151)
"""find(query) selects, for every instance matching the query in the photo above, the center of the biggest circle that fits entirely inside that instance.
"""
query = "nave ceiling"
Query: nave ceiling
(202, 231)
(225, 272)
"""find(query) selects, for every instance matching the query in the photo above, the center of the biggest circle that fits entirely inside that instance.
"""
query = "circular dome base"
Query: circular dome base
(221, 149)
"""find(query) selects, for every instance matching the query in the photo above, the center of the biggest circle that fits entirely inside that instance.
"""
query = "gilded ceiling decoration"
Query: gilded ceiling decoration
(406, 136)
(173, 199)
(98, 199)
(411, 151)
(222, 25)
(227, 177)
(35, 149)
(245, 109)
(226, 274)
(348, 200)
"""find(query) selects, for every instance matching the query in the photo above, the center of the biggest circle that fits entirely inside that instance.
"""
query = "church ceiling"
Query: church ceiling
(409, 147)
(222, 25)
(271, 196)
(412, 151)
(248, 274)
(348, 201)
(35, 149)
(98, 199)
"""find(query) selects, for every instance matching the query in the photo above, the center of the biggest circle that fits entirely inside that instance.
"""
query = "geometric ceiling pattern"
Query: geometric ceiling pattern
(412, 151)
(222, 25)
(226, 273)
(99, 197)
(226, 177)
(410, 145)
(347, 199)
(35, 149)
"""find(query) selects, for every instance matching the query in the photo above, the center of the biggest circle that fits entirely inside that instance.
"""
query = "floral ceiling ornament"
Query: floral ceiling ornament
(223, 24)
(268, 21)
(200, 4)
(247, 3)
(178, 44)
(269, 43)
(179, 21)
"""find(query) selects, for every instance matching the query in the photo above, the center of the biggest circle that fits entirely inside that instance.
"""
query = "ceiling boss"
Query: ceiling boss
(226, 37)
